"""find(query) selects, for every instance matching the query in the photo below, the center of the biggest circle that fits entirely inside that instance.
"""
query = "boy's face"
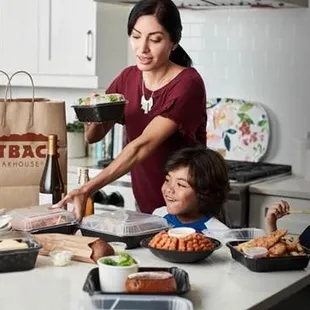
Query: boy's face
(179, 196)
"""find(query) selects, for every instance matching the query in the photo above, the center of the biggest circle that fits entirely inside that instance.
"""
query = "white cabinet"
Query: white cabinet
(67, 37)
(295, 223)
(18, 35)
(63, 43)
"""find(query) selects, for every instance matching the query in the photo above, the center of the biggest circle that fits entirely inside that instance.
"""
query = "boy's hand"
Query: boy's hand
(277, 210)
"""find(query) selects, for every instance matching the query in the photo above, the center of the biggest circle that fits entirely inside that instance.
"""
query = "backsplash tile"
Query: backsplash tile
(260, 55)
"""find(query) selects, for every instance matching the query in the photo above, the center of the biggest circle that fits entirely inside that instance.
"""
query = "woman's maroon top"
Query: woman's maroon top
(182, 100)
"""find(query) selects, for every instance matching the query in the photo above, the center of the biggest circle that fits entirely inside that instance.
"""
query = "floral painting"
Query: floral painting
(238, 129)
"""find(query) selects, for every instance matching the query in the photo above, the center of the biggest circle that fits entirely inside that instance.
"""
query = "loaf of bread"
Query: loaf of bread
(100, 248)
(151, 282)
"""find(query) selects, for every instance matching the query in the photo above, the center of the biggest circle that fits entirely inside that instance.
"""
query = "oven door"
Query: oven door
(236, 209)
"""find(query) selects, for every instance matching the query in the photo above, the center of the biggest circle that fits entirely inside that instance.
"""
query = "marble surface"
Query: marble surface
(288, 186)
(216, 283)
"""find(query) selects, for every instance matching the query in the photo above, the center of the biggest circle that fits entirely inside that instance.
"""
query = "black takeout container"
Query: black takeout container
(132, 242)
(100, 112)
(269, 263)
(92, 284)
(181, 256)
(67, 229)
(21, 259)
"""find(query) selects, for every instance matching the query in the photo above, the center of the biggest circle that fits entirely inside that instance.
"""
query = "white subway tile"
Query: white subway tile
(196, 30)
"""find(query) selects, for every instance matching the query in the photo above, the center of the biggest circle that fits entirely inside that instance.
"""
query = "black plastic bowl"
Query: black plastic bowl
(100, 112)
(181, 256)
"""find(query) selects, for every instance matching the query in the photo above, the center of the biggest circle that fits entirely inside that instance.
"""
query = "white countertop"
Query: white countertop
(288, 186)
(217, 283)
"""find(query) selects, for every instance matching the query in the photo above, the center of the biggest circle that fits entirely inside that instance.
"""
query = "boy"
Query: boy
(195, 188)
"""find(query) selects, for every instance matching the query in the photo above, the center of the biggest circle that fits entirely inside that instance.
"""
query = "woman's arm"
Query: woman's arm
(95, 132)
(134, 152)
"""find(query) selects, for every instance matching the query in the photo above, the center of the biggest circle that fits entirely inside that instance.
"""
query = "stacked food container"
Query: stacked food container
(125, 226)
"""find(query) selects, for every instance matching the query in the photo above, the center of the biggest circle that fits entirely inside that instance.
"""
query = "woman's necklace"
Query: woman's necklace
(147, 104)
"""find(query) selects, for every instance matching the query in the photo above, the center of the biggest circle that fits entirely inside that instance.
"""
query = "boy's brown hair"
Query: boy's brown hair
(208, 176)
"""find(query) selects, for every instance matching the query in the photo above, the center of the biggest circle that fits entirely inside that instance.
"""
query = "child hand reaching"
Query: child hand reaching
(275, 212)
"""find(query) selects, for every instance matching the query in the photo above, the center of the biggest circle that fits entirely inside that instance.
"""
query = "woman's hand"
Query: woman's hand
(78, 198)
(275, 212)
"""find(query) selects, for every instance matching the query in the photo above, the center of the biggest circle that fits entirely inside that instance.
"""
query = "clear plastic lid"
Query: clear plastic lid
(126, 302)
(17, 235)
(37, 217)
(226, 235)
(124, 223)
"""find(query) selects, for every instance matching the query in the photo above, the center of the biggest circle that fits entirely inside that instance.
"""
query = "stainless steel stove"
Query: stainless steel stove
(242, 175)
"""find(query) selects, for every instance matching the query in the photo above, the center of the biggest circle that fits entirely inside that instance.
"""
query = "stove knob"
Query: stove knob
(115, 199)
(100, 197)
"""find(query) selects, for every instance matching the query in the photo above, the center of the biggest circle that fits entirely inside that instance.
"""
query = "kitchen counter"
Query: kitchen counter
(288, 186)
(218, 283)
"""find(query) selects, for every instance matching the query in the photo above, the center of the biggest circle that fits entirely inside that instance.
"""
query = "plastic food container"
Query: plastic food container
(113, 278)
(136, 302)
(125, 226)
(269, 263)
(60, 257)
(19, 259)
(255, 252)
(92, 286)
(42, 219)
(181, 232)
(226, 235)
(118, 246)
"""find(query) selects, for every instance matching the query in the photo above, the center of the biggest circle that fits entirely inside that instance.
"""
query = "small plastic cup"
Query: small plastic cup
(181, 232)
(60, 257)
(118, 246)
(255, 252)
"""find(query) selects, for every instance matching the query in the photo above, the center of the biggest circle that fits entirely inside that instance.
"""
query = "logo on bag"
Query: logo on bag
(20, 151)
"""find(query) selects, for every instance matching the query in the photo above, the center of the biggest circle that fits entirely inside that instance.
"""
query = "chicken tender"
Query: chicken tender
(277, 250)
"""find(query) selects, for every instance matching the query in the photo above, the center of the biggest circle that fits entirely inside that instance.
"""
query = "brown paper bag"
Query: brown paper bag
(25, 124)
(80, 246)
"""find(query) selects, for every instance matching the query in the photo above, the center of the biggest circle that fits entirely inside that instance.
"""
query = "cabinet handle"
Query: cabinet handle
(89, 55)
(50, 30)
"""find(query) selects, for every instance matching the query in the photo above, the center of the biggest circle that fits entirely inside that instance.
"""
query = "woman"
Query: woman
(166, 107)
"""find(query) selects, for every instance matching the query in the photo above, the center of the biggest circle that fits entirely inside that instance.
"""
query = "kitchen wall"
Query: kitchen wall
(261, 55)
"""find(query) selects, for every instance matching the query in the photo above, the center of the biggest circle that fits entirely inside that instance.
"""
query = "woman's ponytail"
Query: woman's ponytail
(180, 57)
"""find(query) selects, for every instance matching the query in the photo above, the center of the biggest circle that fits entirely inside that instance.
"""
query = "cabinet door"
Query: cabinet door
(67, 37)
(19, 35)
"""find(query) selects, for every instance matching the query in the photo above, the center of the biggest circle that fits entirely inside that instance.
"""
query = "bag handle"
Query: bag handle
(6, 95)
(8, 77)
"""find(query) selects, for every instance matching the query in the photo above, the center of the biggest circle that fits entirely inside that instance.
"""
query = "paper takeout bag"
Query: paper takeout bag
(78, 245)
(25, 124)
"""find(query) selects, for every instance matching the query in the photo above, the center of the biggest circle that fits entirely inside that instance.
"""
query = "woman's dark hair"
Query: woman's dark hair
(208, 176)
(168, 16)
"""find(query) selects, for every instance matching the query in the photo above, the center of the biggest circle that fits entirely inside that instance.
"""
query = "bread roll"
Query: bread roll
(100, 248)
(151, 282)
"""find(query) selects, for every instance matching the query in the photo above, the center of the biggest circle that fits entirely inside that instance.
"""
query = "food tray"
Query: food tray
(269, 263)
(21, 259)
(181, 256)
(136, 302)
(123, 225)
(42, 219)
(92, 285)
(100, 112)
(67, 229)
(132, 242)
